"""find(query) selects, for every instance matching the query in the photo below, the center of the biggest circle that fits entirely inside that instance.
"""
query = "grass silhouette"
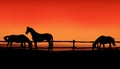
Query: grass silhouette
(38, 58)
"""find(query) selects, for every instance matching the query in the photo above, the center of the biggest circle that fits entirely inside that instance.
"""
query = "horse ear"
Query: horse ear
(28, 27)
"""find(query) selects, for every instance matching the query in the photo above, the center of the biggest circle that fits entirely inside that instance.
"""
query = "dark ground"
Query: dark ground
(38, 58)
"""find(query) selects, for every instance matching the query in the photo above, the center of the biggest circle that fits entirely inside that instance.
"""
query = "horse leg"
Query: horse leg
(103, 46)
(11, 44)
(21, 44)
(24, 45)
(35, 45)
(8, 44)
(30, 45)
(49, 47)
(109, 45)
(98, 45)
(52, 46)
(92, 47)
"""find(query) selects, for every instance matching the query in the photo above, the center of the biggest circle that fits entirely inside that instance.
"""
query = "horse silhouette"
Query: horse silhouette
(37, 37)
(18, 39)
(102, 40)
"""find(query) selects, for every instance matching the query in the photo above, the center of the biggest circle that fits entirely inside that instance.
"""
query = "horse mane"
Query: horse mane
(33, 30)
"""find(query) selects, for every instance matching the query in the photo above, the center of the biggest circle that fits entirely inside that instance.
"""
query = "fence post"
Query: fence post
(73, 45)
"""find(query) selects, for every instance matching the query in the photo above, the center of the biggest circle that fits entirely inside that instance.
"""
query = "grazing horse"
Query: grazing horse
(18, 39)
(102, 40)
(37, 37)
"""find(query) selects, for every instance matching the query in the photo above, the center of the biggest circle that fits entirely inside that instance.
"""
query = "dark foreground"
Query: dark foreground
(38, 58)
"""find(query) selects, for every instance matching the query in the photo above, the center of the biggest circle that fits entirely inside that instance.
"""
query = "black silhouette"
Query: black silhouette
(18, 39)
(37, 37)
(102, 40)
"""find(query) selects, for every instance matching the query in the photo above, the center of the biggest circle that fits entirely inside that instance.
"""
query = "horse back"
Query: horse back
(42, 37)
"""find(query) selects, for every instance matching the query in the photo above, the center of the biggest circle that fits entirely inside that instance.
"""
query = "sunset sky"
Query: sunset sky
(64, 19)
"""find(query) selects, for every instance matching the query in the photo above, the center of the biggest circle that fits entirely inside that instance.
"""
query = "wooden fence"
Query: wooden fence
(73, 47)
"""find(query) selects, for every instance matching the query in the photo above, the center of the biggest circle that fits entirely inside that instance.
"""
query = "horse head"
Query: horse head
(94, 45)
(27, 30)
(113, 41)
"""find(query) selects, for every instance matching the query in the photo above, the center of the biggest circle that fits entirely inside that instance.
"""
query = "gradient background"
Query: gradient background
(66, 19)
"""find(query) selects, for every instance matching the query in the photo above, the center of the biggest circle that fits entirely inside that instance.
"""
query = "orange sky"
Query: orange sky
(65, 19)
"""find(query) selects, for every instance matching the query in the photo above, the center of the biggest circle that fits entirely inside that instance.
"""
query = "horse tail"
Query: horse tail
(30, 44)
(6, 38)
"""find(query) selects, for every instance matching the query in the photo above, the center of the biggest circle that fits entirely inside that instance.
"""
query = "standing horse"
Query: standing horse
(102, 40)
(18, 39)
(37, 37)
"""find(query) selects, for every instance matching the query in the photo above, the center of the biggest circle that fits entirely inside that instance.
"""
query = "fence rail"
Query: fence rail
(73, 47)
(69, 41)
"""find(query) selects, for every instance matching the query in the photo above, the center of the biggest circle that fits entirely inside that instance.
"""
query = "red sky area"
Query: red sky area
(65, 19)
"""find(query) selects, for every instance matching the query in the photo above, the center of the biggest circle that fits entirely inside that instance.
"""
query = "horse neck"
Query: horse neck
(33, 33)
(114, 43)
(96, 42)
